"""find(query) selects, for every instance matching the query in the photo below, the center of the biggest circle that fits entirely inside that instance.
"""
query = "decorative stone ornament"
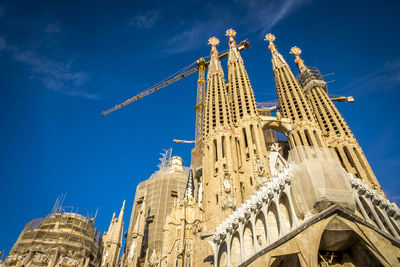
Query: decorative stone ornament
(227, 186)
(270, 37)
(213, 41)
(300, 62)
(231, 33)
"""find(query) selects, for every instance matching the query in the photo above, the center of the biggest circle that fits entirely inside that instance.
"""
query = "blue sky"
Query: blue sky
(63, 62)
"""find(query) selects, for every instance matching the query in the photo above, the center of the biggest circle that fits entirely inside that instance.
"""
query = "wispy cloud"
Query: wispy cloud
(144, 21)
(385, 77)
(263, 16)
(257, 16)
(189, 39)
(53, 74)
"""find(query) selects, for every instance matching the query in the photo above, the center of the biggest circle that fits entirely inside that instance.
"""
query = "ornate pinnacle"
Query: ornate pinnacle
(213, 41)
(231, 33)
(270, 38)
(299, 62)
(277, 60)
(295, 51)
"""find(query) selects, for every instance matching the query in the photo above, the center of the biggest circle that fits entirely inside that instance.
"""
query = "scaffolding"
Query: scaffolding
(66, 236)
(312, 74)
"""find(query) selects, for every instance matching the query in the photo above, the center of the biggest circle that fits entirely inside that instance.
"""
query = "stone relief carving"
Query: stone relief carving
(228, 203)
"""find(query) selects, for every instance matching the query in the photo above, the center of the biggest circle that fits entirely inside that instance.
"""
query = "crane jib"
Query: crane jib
(181, 74)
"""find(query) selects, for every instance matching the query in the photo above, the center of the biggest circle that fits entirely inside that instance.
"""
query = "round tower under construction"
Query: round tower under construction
(63, 238)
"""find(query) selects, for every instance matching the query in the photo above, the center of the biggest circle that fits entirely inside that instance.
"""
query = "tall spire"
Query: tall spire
(189, 186)
(240, 90)
(121, 213)
(113, 239)
(298, 60)
(218, 135)
(336, 132)
(249, 140)
(277, 59)
(234, 54)
(293, 102)
(217, 111)
(215, 64)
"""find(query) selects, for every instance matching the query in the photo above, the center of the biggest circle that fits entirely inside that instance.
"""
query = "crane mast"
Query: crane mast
(200, 99)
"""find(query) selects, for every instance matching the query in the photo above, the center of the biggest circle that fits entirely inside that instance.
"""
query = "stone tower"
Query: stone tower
(311, 211)
(251, 154)
(112, 240)
(66, 237)
(293, 102)
(182, 230)
(221, 188)
(154, 200)
(335, 130)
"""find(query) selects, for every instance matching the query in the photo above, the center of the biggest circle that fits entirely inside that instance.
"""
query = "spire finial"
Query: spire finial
(231, 33)
(270, 38)
(299, 62)
(277, 59)
(213, 41)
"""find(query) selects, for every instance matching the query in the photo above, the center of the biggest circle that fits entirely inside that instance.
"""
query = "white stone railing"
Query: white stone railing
(376, 209)
(239, 236)
(261, 220)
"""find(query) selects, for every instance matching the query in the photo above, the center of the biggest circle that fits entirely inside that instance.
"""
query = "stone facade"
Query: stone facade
(248, 198)
(336, 132)
(112, 240)
(154, 200)
(258, 201)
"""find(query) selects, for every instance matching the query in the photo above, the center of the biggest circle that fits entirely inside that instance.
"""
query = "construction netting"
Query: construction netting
(318, 180)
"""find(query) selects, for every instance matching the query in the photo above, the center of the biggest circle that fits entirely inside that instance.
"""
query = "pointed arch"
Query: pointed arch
(284, 208)
(273, 223)
(261, 230)
(222, 255)
(248, 240)
(235, 250)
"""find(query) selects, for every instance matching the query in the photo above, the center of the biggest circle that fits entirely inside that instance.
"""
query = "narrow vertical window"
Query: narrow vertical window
(215, 151)
(223, 146)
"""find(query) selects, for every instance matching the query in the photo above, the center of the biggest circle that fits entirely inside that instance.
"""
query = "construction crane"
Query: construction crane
(184, 141)
(274, 105)
(349, 99)
(200, 66)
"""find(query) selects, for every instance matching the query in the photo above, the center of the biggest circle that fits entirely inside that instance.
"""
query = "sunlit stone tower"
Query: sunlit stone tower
(66, 237)
(154, 200)
(112, 239)
(251, 153)
(293, 103)
(221, 188)
(336, 132)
